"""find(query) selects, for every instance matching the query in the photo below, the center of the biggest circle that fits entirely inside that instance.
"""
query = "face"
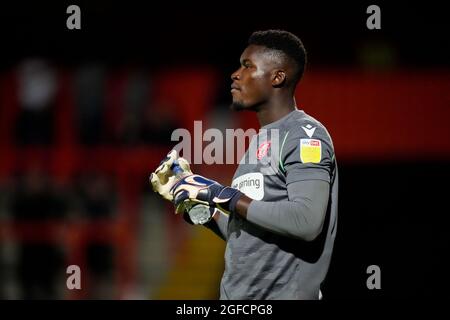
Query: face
(252, 82)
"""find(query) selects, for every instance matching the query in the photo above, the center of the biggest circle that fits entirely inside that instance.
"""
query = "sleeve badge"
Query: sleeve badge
(310, 150)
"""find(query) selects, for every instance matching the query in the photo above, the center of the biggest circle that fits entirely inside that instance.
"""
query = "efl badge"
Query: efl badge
(262, 150)
(310, 150)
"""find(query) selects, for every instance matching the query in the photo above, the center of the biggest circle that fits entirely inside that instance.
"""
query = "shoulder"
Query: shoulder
(304, 126)
(307, 151)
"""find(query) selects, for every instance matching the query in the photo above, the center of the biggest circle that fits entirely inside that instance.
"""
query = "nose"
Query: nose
(235, 75)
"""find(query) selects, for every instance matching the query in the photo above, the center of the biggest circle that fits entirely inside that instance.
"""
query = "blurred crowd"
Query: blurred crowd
(33, 267)
(107, 109)
(133, 120)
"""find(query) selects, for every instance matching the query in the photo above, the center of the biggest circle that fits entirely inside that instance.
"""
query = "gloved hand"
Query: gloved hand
(198, 189)
(163, 179)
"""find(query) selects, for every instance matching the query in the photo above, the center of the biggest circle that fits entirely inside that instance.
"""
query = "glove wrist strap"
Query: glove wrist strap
(233, 201)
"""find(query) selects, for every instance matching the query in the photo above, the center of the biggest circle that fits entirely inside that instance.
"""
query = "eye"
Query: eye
(246, 64)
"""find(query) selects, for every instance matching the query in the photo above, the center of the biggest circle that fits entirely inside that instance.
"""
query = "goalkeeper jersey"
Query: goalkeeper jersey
(259, 263)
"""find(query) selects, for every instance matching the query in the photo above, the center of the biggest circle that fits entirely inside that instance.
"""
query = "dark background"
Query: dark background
(392, 207)
(197, 33)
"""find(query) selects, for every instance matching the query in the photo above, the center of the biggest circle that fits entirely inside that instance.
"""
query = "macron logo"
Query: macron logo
(309, 130)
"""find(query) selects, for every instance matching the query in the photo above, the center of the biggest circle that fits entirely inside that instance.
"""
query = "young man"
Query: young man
(281, 211)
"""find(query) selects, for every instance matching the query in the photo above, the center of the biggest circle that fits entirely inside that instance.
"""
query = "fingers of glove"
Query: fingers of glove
(180, 208)
(180, 196)
(155, 182)
(184, 206)
(162, 165)
(186, 191)
(164, 169)
(196, 181)
(184, 164)
(164, 189)
(169, 159)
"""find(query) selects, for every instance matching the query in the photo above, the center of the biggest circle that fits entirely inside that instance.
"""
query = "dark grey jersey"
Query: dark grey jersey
(260, 262)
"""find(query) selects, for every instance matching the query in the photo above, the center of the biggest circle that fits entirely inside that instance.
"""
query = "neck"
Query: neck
(275, 110)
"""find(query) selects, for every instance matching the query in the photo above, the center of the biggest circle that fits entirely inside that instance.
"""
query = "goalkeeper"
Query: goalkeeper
(279, 216)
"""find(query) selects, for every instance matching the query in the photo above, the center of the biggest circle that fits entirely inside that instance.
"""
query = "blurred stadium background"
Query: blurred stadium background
(86, 115)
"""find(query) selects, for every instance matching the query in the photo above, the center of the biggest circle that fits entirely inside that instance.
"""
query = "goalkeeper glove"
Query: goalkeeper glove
(169, 171)
(198, 189)
(163, 179)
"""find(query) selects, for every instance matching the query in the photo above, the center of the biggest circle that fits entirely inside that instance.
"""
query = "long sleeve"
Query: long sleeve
(300, 217)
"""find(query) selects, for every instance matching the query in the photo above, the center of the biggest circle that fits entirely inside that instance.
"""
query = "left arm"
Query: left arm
(307, 165)
(301, 217)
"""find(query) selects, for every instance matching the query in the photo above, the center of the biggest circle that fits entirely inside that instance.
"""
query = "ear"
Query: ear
(278, 78)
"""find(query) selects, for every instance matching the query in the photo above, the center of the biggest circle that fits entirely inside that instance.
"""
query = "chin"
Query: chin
(237, 106)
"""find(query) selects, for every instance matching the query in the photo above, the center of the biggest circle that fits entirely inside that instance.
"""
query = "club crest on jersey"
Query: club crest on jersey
(310, 150)
(262, 150)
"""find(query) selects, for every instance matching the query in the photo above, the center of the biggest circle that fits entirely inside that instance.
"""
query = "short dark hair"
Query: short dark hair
(285, 42)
